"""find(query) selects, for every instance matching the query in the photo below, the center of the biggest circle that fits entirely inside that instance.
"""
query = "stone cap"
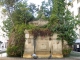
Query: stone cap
(39, 22)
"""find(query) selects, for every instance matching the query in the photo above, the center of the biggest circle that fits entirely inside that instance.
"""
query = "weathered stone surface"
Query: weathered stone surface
(26, 31)
(43, 54)
(27, 55)
(44, 46)
(65, 45)
(56, 50)
(57, 56)
(29, 47)
(39, 22)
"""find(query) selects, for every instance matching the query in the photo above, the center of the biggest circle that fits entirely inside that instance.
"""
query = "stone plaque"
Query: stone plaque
(42, 45)
(26, 35)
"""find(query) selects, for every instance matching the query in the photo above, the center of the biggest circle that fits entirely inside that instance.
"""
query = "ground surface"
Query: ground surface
(9, 58)
(73, 56)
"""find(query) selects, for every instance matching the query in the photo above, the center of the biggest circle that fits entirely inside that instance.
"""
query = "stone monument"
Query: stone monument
(45, 46)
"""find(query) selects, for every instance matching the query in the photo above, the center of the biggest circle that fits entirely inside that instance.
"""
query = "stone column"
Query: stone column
(29, 47)
(56, 47)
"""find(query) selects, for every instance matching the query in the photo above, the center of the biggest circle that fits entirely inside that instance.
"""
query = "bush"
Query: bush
(66, 52)
(14, 51)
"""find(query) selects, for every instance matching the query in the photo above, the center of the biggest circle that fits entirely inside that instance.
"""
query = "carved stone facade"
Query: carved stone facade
(44, 46)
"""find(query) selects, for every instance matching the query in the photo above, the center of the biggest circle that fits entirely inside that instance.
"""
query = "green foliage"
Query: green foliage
(46, 8)
(30, 26)
(7, 26)
(66, 52)
(32, 8)
(55, 6)
(21, 14)
(17, 48)
(62, 23)
(19, 28)
(53, 21)
(8, 2)
(14, 51)
(66, 30)
(44, 11)
(69, 4)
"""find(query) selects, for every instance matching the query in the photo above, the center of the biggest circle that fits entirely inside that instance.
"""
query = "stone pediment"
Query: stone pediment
(39, 22)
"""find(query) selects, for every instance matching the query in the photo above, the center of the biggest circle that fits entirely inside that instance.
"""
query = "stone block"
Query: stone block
(27, 55)
(57, 55)
(45, 54)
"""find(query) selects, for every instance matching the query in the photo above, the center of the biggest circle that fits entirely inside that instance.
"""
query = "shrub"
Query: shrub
(14, 51)
(66, 52)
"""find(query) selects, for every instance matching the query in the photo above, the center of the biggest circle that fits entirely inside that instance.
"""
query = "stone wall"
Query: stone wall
(44, 46)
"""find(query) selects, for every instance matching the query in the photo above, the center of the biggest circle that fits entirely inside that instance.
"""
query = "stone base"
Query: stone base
(57, 56)
(43, 54)
(27, 56)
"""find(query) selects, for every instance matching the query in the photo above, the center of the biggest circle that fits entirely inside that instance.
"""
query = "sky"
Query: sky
(2, 17)
(70, 0)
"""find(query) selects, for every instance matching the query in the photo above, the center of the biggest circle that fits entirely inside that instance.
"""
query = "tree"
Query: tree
(18, 17)
(9, 5)
(21, 14)
(62, 22)
(7, 27)
(44, 10)
(33, 8)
